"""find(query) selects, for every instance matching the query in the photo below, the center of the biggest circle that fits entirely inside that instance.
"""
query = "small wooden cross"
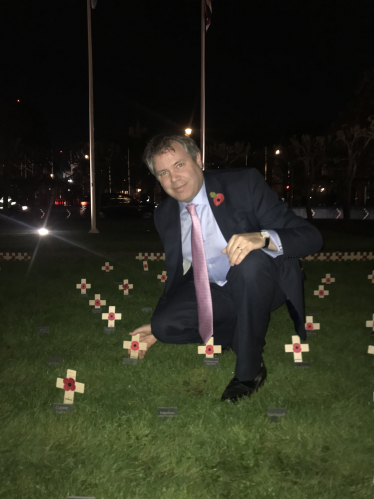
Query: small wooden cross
(297, 349)
(328, 279)
(209, 349)
(107, 267)
(139, 257)
(370, 255)
(70, 386)
(111, 317)
(145, 266)
(97, 302)
(25, 256)
(146, 256)
(321, 292)
(310, 325)
(163, 276)
(135, 346)
(371, 277)
(13, 256)
(370, 323)
(371, 350)
(125, 286)
(334, 256)
(83, 286)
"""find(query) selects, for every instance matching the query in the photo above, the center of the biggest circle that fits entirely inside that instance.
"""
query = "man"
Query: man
(252, 245)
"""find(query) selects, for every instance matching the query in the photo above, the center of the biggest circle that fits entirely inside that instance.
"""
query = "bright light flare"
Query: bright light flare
(188, 131)
(43, 232)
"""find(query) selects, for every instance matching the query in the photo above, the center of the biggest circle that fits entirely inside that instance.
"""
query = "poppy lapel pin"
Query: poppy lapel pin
(217, 198)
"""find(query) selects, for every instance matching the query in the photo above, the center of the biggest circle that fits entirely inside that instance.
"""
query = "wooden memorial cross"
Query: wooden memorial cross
(371, 276)
(145, 266)
(328, 279)
(310, 325)
(297, 349)
(126, 286)
(321, 292)
(370, 323)
(97, 301)
(111, 317)
(107, 267)
(139, 257)
(209, 349)
(163, 276)
(13, 257)
(83, 286)
(70, 386)
(134, 346)
(371, 350)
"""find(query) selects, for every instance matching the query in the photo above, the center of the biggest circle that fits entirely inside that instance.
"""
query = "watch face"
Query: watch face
(264, 233)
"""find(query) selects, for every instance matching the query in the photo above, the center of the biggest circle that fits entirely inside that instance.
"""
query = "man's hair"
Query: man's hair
(162, 143)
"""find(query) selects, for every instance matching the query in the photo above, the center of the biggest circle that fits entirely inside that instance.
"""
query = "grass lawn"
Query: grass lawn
(114, 445)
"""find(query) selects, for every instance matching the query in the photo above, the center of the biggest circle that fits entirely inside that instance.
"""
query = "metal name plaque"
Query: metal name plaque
(43, 329)
(83, 296)
(97, 311)
(275, 412)
(108, 330)
(302, 365)
(62, 408)
(310, 332)
(211, 362)
(167, 412)
(147, 309)
(127, 360)
(54, 360)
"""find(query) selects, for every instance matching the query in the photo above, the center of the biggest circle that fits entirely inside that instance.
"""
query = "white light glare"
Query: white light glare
(43, 232)
(24, 208)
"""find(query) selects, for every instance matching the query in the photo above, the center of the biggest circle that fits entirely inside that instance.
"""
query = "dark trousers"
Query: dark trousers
(241, 311)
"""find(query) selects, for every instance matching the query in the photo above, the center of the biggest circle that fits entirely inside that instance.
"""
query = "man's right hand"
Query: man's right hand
(146, 336)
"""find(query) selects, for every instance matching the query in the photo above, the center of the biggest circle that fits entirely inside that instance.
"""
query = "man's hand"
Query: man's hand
(247, 242)
(146, 336)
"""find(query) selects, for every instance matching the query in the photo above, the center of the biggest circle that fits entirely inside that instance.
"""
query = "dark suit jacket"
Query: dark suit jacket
(249, 206)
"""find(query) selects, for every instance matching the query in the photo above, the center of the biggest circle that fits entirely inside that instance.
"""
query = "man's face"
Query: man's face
(178, 173)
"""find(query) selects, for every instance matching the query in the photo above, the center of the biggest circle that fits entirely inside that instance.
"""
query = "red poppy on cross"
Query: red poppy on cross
(134, 346)
(328, 279)
(97, 301)
(310, 325)
(125, 286)
(209, 349)
(111, 317)
(371, 277)
(321, 292)
(145, 266)
(297, 349)
(107, 267)
(83, 286)
(163, 276)
(70, 386)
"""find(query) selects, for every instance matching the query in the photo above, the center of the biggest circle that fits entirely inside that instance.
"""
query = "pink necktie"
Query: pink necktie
(200, 273)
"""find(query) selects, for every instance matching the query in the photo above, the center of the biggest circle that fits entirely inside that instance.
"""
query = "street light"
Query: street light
(86, 156)
(188, 131)
(277, 151)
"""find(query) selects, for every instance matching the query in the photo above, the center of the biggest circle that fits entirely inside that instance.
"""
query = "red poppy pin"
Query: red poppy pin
(217, 198)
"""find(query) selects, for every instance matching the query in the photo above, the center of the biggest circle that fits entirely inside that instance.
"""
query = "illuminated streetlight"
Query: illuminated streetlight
(277, 151)
(86, 156)
(43, 232)
(188, 131)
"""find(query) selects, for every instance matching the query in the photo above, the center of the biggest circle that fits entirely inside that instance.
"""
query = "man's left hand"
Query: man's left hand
(247, 242)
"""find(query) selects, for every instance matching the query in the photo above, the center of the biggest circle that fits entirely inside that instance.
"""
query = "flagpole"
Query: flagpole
(202, 108)
(91, 124)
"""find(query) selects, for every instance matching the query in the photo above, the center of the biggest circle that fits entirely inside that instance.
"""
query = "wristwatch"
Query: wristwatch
(266, 236)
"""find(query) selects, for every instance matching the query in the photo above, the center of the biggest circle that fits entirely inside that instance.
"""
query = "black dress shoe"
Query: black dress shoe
(227, 349)
(237, 389)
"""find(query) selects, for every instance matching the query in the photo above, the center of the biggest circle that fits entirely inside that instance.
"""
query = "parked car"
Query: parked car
(117, 205)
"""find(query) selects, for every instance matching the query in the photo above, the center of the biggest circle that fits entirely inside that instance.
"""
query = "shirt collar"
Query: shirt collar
(200, 198)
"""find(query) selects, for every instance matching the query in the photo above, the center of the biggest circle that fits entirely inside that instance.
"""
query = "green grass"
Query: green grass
(114, 446)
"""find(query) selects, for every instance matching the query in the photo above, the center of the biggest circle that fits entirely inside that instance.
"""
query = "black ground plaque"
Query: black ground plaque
(62, 408)
(54, 361)
(97, 311)
(147, 309)
(276, 412)
(302, 365)
(43, 329)
(127, 360)
(211, 362)
(167, 412)
(108, 330)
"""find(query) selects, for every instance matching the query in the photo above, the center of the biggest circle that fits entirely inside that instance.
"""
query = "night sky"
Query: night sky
(273, 67)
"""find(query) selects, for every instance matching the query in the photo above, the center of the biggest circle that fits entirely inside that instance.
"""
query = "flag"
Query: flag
(93, 3)
(208, 13)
